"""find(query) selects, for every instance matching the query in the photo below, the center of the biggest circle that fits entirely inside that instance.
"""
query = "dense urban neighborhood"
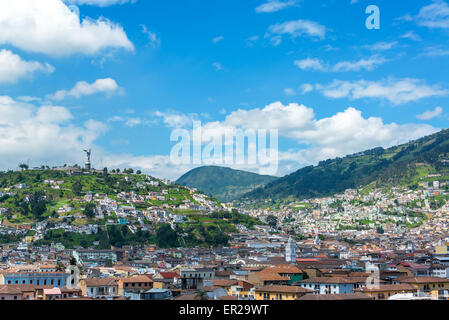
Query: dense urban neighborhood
(79, 233)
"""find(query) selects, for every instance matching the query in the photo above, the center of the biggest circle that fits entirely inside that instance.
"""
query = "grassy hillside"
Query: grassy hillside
(404, 165)
(225, 184)
(36, 197)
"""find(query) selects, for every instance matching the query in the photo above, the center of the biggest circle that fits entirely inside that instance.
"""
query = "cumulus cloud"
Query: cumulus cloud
(83, 88)
(318, 139)
(275, 5)
(430, 114)
(396, 91)
(50, 27)
(43, 134)
(48, 135)
(13, 68)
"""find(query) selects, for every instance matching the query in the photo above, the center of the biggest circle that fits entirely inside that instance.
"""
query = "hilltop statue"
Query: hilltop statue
(87, 164)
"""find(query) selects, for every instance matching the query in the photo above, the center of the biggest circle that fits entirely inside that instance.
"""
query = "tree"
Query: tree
(138, 172)
(38, 204)
(166, 237)
(60, 267)
(108, 263)
(89, 211)
(23, 166)
(272, 221)
(201, 295)
(380, 230)
(77, 187)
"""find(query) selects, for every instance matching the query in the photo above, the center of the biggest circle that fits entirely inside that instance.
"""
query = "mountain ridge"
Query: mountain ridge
(224, 183)
(403, 164)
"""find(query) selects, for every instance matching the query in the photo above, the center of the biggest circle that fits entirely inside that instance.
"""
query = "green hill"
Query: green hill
(225, 184)
(403, 165)
(65, 204)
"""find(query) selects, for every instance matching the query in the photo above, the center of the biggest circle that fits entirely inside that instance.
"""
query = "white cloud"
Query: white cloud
(289, 91)
(217, 39)
(382, 46)
(435, 52)
(344, 133)
(157, 165)
(50, 27)
(430, 114)
(275, 5)
(306, 88)
(252, 40)
(311, 63)
(83, 88)
(153, 39)
(13, 68)
(174, 119)
(343, 66)
(99, 3)
(127, 121)
(366, 64)
(217, 66)
(412, 35)
(349, 132)
(296, 29)
(42, 134)
(399, 91)
(435, 15)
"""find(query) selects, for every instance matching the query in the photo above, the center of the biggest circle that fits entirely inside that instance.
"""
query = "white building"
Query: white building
(290, 251)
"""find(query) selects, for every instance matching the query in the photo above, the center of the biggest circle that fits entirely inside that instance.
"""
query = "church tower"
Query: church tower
(290, 251)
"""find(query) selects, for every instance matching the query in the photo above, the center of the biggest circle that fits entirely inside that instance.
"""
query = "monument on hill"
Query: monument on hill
(87, 163)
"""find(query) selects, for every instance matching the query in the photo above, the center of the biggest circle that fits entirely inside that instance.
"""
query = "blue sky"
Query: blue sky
(121, 75)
